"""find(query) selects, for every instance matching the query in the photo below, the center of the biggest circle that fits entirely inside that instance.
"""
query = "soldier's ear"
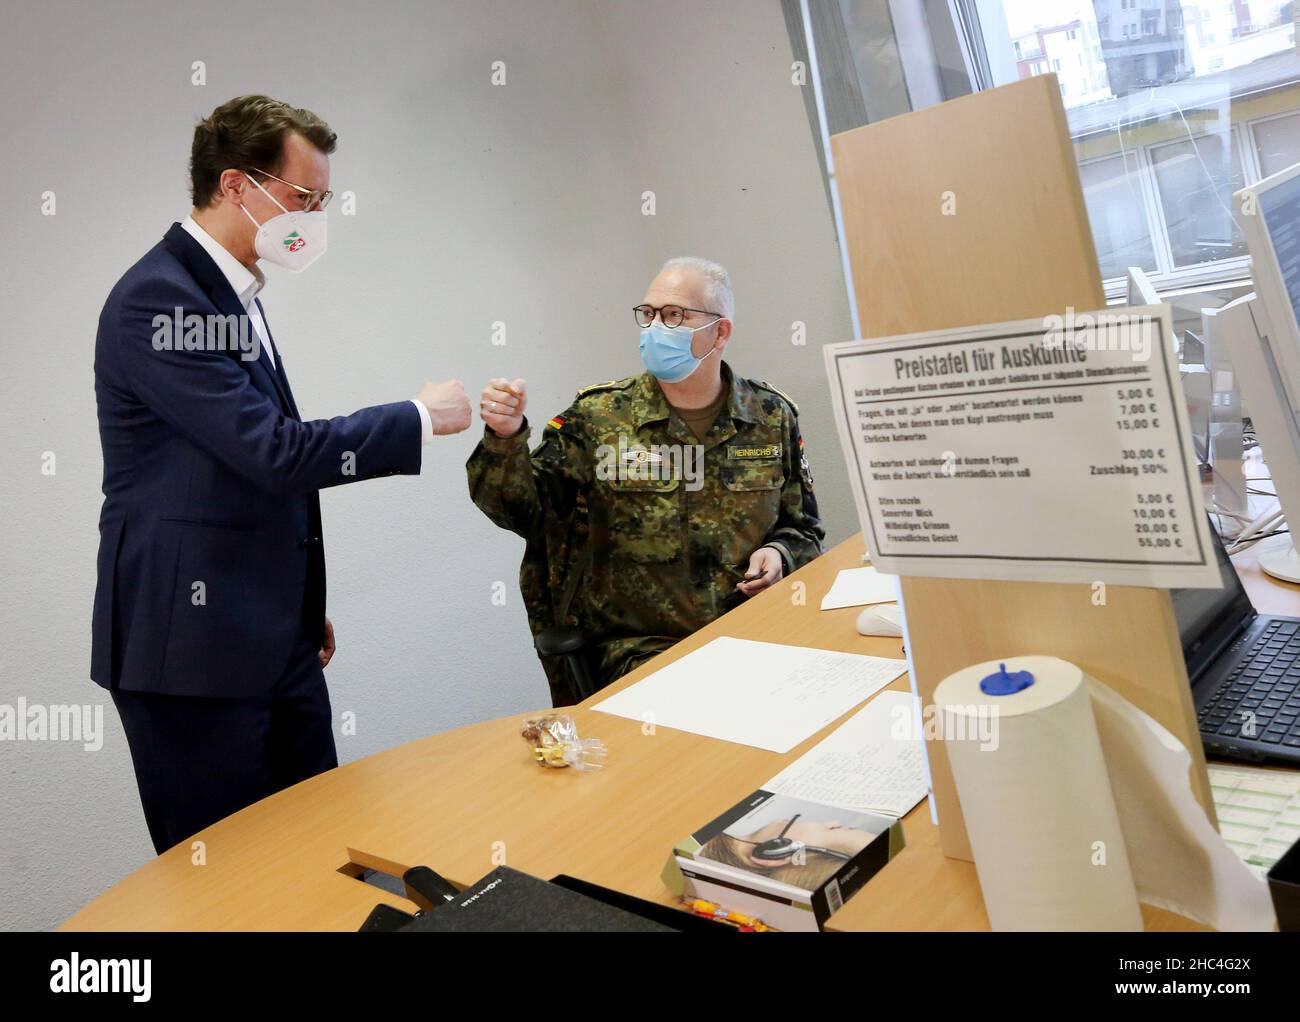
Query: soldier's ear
(724, 334)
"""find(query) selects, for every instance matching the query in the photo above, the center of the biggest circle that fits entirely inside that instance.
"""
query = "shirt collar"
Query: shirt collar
(244, 282)
(650, 405)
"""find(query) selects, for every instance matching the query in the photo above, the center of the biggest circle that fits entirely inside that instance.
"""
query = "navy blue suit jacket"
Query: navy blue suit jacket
(211, 562)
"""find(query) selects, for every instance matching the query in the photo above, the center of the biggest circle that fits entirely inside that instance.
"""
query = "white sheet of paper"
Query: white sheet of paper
(1048, 450)
(763, 694)
(858, 587)
(873, 762)
(1259, 812)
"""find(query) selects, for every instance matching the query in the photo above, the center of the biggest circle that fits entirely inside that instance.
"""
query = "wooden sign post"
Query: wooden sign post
(967, 213)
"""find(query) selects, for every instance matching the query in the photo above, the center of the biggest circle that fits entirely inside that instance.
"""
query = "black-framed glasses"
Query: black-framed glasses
(669, 315)
(313, 198)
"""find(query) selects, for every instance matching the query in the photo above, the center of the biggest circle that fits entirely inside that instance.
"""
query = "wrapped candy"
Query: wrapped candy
(556, 743)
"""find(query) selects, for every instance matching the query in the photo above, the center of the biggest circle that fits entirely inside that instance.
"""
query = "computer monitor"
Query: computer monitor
(1265, 344)
(1140, 289)
(1217, 385)
(1270, 221)
(1195, 380)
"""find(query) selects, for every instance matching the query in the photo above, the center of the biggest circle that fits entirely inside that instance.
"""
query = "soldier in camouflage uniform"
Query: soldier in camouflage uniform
(648, 512)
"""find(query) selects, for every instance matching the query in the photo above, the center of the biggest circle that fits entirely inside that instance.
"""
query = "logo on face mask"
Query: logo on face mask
(291, 252)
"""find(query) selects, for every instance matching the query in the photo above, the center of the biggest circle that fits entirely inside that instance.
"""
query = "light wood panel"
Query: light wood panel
(454, 801)
(969, 213)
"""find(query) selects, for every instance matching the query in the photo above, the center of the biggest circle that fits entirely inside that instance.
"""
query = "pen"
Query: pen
(708, 908)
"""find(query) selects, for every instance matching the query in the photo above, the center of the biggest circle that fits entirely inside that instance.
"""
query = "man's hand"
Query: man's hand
(765, 569)
(326, 652)
(502, 406)
(449, 407)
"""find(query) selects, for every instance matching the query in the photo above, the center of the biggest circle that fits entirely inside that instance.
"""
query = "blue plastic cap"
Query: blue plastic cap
(1005, 683)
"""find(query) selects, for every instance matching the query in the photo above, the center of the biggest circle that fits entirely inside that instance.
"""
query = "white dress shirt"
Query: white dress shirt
(246, 284)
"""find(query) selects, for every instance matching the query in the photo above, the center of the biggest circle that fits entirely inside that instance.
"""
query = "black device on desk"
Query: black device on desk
(508, 901)
(1244, 668)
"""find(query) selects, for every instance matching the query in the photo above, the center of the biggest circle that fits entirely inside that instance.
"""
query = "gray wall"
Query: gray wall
(475, 204)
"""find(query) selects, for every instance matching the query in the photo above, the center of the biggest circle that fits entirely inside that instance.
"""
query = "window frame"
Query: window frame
(1252, 148)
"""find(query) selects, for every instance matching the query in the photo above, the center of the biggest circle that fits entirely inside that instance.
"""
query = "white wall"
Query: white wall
(723, 139)
(475, 204)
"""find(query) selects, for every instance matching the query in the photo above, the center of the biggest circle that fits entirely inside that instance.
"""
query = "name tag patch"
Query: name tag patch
(753, 453)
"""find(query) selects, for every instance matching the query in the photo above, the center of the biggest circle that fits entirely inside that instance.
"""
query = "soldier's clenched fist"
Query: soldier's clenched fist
(502, 406)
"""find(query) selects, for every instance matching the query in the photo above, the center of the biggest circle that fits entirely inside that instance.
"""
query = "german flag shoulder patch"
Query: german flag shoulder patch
(557, 422)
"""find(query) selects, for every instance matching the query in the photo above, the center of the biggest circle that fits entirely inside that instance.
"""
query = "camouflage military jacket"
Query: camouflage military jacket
(660, 524)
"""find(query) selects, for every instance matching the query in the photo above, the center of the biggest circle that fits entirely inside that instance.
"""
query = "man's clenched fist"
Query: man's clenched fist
(502, 406)
(448, 405)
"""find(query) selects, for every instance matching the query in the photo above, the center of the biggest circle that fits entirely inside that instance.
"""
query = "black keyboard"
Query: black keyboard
(1260, 699)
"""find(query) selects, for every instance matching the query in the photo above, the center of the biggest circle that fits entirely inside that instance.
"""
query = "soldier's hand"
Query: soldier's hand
(448, 405)
(765, 569)
(502, 406)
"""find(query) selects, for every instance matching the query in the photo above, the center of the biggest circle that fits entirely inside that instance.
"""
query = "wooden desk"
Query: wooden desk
(469, 799)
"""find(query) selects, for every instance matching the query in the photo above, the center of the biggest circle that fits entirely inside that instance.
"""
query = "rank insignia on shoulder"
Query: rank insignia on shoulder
(781, 394)
(763, 451)
(556, 422)
(622, 384)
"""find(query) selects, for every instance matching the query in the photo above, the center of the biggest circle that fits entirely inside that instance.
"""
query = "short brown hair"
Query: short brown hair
(248, 132)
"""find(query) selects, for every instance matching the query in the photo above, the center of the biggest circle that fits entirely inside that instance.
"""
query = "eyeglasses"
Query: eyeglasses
(670, 315)
(313, 198)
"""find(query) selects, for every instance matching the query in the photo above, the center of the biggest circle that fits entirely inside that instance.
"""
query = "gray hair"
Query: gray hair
(717, 282)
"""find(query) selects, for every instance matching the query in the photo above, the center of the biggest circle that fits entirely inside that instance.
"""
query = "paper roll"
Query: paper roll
(1032, 781)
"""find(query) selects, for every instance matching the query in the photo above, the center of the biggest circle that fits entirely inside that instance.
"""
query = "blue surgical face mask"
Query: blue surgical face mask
(666, 351)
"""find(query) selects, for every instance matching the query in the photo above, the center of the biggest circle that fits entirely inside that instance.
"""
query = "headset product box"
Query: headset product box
(789, 862)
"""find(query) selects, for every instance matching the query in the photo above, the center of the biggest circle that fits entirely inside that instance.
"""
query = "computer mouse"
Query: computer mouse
(880, 619)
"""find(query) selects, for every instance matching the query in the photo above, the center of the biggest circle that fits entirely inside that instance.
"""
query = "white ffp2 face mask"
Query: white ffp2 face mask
(291, 240)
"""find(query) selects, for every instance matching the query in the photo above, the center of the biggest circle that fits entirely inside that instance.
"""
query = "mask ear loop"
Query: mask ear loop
(264, 192)
(711, 351)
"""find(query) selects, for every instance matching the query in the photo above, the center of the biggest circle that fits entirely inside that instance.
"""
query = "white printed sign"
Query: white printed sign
(1053, 450)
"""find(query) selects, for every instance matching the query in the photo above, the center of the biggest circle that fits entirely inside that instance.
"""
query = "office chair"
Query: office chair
(568, 644)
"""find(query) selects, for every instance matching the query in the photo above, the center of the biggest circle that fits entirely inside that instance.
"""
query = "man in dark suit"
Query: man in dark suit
(209, 624)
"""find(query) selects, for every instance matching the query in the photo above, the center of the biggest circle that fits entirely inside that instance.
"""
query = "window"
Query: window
(1195, 179)
(1194, 107)
(1116, 211)
(1172, 104)
(1276, 143)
